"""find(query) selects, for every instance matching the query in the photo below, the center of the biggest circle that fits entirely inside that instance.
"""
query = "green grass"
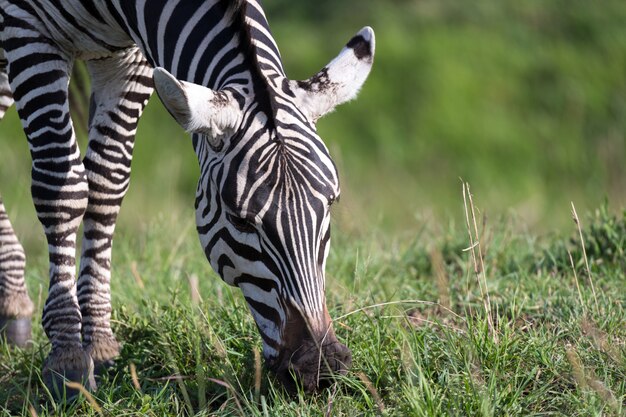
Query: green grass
(554, 354)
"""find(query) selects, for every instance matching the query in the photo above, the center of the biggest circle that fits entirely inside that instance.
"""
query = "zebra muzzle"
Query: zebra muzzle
(312, 367)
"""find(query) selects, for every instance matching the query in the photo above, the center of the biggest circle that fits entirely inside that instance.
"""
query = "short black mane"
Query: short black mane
(262, 90)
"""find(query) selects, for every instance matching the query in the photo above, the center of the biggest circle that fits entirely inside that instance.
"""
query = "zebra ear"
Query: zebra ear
(196, 108)
(340, 80)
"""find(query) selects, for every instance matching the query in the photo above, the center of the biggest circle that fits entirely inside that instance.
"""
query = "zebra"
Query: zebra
(267, 180)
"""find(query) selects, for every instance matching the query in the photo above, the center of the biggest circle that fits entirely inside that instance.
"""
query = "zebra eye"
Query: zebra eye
(243, 225)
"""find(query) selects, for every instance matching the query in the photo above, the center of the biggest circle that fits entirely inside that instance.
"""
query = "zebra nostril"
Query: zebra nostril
(345, 358)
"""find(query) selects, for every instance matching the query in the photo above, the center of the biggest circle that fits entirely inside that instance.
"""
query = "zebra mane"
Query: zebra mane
(262, 89)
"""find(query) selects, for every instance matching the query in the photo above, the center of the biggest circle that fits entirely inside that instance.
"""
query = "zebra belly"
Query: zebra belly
(72, 27)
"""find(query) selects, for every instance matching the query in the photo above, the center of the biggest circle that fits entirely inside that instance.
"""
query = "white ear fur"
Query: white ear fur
(196, 108)
(340, 80)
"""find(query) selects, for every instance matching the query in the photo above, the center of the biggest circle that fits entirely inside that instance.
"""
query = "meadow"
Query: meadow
(411, 308)
(525, 101)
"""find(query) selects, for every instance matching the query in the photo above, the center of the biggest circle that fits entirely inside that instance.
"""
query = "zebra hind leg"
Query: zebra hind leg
(16, 307)
(121, 87)
(59, 191)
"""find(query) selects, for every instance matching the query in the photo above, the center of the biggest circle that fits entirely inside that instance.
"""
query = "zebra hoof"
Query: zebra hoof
(17, 331)
(103, 351)
(59, 382)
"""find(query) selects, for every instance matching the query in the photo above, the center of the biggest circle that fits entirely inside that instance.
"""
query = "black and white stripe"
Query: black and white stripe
(267, 180)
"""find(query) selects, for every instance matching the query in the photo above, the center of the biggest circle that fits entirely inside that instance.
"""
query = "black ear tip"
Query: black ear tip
(363, 44)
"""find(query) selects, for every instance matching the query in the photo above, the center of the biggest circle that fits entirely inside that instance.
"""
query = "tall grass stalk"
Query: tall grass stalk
(582, 244)
(478, 261)
(580, 295)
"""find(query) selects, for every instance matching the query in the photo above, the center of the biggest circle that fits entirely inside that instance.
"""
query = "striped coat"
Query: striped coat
(266, 185)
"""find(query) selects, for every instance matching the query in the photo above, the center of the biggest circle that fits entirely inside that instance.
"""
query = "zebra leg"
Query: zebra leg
(121, 87)
(39, 81)
(16, 308)
(6, 97)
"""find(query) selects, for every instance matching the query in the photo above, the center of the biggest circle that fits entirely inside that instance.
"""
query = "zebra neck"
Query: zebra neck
(269, 62)
(214, 43)
(261, 53)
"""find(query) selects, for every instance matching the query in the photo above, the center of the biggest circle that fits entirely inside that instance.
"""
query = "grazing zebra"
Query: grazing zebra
(266, 185)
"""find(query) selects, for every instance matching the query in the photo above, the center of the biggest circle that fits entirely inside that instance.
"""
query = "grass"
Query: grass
(409, 307)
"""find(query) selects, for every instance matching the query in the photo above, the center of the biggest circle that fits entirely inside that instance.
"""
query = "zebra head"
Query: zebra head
(263, 202)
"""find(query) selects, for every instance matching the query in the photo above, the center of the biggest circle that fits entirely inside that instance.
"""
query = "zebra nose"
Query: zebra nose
(312, 369)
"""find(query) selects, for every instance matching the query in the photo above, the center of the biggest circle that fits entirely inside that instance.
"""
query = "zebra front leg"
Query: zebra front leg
(16, 308)
(39, 81)
(121, 87)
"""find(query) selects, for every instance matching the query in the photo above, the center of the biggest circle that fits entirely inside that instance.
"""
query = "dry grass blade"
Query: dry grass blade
(604, 392)
(588, 380)
(582, 244)
(580, 295)
(218, 344)
(88, 396)
(443, 284)
(133, 376)
(416, 319)
(370, 387)
(389, 303)
(331, 401)
(135, 272)
(31, 411)
(194, 289)
(577, 366)
(177, 245)
(232, 391)
(345, 326)
(257, 373)
(170, 378)
(320, 357)
(478, 261)
(601, 340)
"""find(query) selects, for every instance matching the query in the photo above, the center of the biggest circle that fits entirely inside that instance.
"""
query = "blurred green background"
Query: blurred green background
(525, 100)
